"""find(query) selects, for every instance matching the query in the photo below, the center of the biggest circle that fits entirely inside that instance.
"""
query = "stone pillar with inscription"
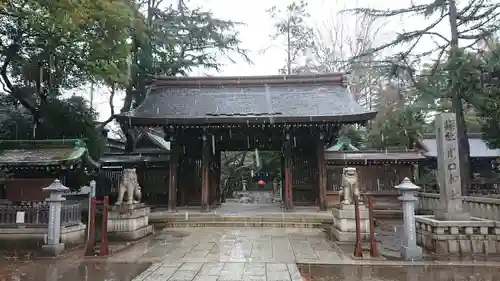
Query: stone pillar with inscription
(409, 248)
(53, 245)
(450, 188)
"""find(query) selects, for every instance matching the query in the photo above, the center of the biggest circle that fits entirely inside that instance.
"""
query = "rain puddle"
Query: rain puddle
(84, 271)
(398, 273)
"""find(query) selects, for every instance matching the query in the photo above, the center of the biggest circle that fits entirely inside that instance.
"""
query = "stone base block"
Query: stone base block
(344, 236)
(344, 223)
(32, 238)
(131, 235)
(473, 236)
(129, 222)
(411, 253)
(53, 250)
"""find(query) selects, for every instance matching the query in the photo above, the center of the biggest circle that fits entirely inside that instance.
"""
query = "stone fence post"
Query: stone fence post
(53, 245)
(409, 248)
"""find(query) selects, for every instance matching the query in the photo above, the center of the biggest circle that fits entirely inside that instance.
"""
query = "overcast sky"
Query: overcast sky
(255, 34)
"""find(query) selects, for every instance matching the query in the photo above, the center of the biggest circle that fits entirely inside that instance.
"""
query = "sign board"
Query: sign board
(20, 217)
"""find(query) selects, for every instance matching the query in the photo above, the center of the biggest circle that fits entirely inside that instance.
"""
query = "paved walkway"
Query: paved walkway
(230, 254)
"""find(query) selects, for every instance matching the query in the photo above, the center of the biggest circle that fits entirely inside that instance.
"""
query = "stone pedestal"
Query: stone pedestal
(129, 222)
(473, 236)
(344, 223)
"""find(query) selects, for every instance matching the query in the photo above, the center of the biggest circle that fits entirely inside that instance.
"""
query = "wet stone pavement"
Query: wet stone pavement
(398, 273)
(235, 245)
(77, 271)
(239, 254)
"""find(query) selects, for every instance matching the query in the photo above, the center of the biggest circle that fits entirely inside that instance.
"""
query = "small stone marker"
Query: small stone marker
(450, 187)
(409, 248)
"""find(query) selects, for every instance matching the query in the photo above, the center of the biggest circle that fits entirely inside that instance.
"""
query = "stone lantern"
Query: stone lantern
(409, 248)
(53, 246)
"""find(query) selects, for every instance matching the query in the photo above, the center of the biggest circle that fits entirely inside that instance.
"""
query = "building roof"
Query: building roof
(478, 148)
(22, 153)
(343, 144)
(133, 158)
(252, 99)
(365, 157)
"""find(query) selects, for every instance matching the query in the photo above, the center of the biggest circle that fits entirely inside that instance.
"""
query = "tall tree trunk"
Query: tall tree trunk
(457, 107)
(289, 49)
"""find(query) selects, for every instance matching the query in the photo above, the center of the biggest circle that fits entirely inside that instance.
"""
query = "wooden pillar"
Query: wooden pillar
(217, 175)
(320, 155)
(213, 179)
(287, 172)
(205, 177)
(173, 177)
(181, 176)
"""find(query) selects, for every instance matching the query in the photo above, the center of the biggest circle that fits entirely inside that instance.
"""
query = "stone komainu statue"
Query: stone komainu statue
(350, 187)
(129, 185)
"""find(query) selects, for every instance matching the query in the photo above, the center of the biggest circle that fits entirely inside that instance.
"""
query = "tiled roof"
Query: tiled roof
(133, 158)
(374, 155)
(257, 99)
(478, 148)
(41, 152)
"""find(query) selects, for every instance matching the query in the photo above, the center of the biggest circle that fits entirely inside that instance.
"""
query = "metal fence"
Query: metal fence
(36, 214)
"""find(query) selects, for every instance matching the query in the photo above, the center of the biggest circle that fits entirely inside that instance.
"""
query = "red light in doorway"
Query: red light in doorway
(260, 182)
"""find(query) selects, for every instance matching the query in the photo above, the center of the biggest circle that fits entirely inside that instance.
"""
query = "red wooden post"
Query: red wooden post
(358, 249)
(104, 249)
(374, 253)
(89, 246)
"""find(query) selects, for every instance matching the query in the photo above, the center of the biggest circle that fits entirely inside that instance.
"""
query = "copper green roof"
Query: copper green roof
(343, 144)
(42, 152)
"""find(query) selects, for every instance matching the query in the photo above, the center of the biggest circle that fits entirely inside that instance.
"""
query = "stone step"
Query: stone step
(240, 224)
(241, 219)
(252, 216)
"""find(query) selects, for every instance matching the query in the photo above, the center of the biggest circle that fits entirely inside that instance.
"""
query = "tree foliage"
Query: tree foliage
(292, 29)
(63, 118)
(473, 22)
(177, 40)
(47, 47)
(487, 103)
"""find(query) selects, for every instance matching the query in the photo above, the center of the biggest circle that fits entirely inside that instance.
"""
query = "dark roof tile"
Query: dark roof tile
(180, 100)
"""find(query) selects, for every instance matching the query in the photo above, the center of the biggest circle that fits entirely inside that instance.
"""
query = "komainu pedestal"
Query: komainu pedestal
(129, 222)
(344, 223)
(344, 216)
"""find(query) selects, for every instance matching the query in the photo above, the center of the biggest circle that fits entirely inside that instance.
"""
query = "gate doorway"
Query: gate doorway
(251, 177)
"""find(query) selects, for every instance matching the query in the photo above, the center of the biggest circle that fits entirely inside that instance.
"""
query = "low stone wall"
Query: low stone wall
(477, 236)
(479, 207)
(32, 238)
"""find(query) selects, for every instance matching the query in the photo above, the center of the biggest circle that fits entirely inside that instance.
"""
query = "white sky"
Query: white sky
(258, 27)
